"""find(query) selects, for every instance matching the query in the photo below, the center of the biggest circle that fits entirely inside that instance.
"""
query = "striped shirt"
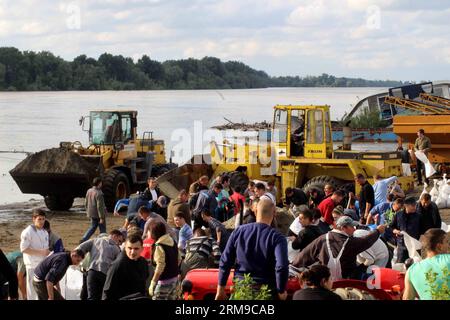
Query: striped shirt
(205, 246)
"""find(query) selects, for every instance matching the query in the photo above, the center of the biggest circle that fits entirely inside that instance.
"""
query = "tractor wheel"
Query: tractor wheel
(240, 179)
(57, 202)
(347, 187)
(319, 182)
(161, 169)
(115, 187)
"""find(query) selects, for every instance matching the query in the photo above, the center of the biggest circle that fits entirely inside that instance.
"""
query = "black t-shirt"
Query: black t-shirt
(323, 227)
(318, 294)
(306, 236)
(366, 195)
(298, 197)
(125, 277)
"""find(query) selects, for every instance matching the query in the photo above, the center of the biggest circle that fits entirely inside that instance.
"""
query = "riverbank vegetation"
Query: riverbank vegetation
(36, 71)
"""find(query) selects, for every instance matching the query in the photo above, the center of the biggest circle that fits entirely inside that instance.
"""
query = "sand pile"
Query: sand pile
(53, 161)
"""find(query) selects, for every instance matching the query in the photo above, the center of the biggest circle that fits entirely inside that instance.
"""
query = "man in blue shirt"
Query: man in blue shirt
(51, 270)
(259, 250)
(376, 212)
(381, 188)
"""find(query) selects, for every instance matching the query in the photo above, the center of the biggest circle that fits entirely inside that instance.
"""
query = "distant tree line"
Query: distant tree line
(38, 71)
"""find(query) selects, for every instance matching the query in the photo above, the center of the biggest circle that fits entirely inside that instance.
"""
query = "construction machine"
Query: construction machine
(432, 114)
(297, 152)
(115, 153)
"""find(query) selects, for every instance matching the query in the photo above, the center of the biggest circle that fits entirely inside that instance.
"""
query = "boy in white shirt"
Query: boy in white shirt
(34, 246)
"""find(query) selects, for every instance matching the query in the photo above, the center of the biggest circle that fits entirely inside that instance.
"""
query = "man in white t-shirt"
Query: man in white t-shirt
(376, 255)
(34, 246)
(152, 193)
(261, 192)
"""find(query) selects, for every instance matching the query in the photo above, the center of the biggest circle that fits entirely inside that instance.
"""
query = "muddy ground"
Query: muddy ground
(69, 225)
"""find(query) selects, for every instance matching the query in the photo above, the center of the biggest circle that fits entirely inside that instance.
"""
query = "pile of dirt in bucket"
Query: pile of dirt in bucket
(53, 161)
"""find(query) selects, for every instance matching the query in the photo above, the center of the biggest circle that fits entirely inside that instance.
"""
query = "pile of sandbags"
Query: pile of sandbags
(440, 193)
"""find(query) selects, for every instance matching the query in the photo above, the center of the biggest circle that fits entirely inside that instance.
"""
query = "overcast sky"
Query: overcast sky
(384, 39)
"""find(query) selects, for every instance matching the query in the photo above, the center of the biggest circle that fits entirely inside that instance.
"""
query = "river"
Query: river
(32, 121)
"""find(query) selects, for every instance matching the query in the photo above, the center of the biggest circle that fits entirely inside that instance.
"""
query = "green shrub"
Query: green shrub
(246, 289)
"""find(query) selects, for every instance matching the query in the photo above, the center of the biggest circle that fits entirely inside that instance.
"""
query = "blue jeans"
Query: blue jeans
(95, 222)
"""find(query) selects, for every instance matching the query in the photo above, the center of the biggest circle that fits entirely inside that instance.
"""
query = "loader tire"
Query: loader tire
(240, 179)
(320, 182)
(115, 187)
(347, 187)
(57, 202)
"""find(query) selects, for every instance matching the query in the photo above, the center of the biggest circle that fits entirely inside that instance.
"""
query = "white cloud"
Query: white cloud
(279, 36)
(122, 14)
(310, 14)
(34, 28)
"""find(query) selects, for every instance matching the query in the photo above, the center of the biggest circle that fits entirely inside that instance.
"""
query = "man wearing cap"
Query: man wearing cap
(339, 241)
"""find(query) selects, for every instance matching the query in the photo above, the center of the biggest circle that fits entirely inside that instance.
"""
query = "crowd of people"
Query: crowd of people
(335, 234)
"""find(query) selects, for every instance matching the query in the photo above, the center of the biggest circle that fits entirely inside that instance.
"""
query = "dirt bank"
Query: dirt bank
(69, 225)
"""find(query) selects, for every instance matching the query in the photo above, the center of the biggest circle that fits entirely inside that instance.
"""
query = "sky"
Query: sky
(384, 39)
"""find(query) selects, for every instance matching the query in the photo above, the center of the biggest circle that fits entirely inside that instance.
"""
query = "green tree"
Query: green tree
(30, 70)
(153, 69)
(2, 76)
(367, 119)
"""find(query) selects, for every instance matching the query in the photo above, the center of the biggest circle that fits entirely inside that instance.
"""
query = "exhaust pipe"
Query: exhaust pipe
(347, 140)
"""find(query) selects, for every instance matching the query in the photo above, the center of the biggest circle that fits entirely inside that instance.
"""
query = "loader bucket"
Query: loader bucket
(177, 179)
(56, 171)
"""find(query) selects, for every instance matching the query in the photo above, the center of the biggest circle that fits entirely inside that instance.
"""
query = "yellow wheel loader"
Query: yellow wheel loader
(115, 153)
(297, 152)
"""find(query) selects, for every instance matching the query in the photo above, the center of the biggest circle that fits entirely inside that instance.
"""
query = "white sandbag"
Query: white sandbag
(291, 252)
(412, 245)
(441, 202)
(296, 226)
(429, 170)
(434, 192)
(397, 266)
(446, 189)
(406, 169)
(71, 284)
(445, 227)
(448, 201)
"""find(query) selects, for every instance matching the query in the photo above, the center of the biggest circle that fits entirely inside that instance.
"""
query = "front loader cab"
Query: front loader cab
(112, 127)
(302, 131)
